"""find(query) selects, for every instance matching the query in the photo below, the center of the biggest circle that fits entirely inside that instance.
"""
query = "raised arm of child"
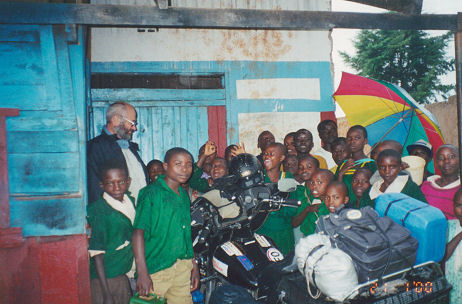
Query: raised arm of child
(298, 219)
(144, 282)
(99, 267)
(209, 149)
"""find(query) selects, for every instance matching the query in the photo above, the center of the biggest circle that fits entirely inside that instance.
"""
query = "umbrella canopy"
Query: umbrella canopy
(387, 111)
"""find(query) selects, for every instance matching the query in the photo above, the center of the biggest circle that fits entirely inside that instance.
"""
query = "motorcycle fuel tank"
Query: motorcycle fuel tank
(242, 262)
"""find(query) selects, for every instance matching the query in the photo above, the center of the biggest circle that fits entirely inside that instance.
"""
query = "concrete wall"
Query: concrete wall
(446, 114)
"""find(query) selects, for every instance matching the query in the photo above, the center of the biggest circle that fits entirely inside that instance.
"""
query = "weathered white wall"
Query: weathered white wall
(215, 46)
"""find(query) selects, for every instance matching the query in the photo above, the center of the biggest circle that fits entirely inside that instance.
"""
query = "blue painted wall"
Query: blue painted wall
(42, 73)
(232, 71)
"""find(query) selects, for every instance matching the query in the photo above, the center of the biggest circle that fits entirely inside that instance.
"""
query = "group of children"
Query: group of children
(157, 237)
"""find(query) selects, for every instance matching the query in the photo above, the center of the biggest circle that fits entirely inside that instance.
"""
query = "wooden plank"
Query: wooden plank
(42, 217)
(12, 95)
(21, 63)
(44, 173)
(19, 34)
(40, 121)
(43, 142)
(153, 95)
(151, 16)
(217, 127)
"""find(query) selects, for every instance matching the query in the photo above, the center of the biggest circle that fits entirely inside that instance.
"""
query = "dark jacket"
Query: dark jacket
(100, 149)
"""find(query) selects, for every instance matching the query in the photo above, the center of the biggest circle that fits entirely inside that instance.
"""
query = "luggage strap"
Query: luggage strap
(410, 211)
(391, 203)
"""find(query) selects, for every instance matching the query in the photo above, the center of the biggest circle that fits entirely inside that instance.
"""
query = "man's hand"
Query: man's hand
(195, 277)
(144, 284)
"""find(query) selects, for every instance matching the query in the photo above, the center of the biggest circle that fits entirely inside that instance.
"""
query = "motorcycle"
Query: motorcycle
(228, 250)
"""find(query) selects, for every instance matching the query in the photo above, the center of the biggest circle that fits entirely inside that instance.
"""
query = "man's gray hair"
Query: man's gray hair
(117, 108)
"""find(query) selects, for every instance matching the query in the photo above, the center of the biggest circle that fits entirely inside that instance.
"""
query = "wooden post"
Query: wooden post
(458, 45)
(9, 237)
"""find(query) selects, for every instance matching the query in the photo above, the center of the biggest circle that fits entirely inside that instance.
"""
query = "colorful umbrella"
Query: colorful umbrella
(387, 111)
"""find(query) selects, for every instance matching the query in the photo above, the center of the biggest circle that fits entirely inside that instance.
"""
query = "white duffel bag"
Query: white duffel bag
(328, 268)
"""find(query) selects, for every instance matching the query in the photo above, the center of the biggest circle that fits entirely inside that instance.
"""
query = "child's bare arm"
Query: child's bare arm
(144, 282)
(451, 246)
(209, 149)
(195, 277)
(350, 163)
(298, 219)
(99, 267)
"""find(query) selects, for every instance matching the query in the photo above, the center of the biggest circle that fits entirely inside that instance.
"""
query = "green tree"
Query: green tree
(411, 59)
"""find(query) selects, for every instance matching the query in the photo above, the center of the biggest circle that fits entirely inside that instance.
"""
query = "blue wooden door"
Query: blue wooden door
(166, 118)
(42, 75)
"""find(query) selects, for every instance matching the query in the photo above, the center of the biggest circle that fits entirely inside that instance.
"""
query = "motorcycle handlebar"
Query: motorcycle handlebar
(291, 203)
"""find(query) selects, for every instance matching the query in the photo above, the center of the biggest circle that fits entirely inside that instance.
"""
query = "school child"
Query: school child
(162, 233)
(155, 168)
(277, 225)
(452, 260)
(336, 196)
(303, 142)
(389, 166)
(219, 169)
(289, 143)
(327, 131)
(310, 210)
(264, 139)
(356, 140)
(340, 152)
(440, 189)
(422, 149)
(361, 186)
(229, 152)
(290, 164)
(111, 220)
(384, 145)
(201, 175)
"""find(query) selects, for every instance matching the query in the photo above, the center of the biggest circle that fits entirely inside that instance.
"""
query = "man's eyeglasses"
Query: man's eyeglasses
(133, 123)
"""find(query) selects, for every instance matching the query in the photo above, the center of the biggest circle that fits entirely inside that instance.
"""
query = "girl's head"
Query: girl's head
(290, 164)
(307, 165)
(319, 182)
(219, 168)
(340, 150)
(289, 143)
(155, 168)
(447, 160)
(389, 165)
(178, 165)
(361, 181)
(303, 141)
(273, 155)
(336, 195)
(356, 138)
(458, 204)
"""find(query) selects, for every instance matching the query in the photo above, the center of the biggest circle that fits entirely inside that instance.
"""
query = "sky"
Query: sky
(342, 38)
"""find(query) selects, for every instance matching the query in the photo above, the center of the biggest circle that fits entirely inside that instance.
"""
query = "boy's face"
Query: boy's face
(340, 153)
(178, 168)
(328, 133)
(335, 197)
(291, 164)
(265, 139)
(306, 168)
(272, 157)
(115, 183)
(389, 168)
(421, 152)
(303, 142)
(360, 183)
(318, 184)
(219, 168)
(155, 170)
(289, 143)
(356, 141)
(447, 161)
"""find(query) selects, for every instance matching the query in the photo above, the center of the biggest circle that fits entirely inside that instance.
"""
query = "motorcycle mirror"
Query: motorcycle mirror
(287, 185)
